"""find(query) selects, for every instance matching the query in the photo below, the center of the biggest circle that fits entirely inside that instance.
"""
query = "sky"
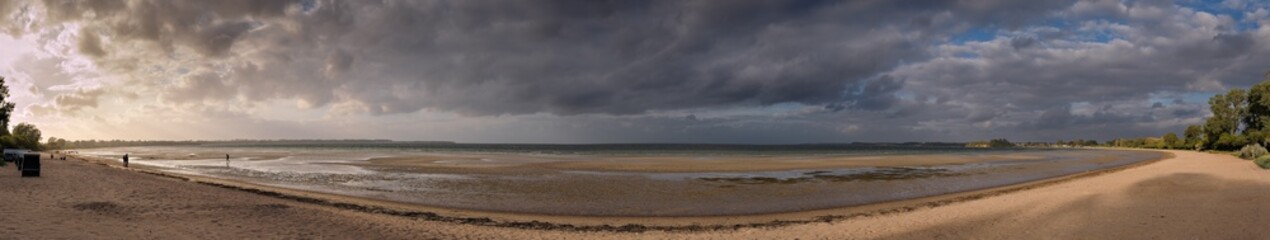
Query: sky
(681, 71)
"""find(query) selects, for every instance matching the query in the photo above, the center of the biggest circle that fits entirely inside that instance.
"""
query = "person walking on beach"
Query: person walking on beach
(226, 160)
(125, 160)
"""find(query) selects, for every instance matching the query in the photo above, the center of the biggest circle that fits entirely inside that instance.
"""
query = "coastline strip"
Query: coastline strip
(624, 224)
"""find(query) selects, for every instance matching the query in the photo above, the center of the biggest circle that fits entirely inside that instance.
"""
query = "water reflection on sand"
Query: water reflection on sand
(628, 184)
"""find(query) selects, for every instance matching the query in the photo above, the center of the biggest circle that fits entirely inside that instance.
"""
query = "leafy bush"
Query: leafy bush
(1253, 151)
(1263, 162)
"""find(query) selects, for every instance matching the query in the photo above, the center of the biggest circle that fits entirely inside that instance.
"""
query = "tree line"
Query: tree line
(1146, 142)
(23, 135)
(58, 143)
(1240, 118)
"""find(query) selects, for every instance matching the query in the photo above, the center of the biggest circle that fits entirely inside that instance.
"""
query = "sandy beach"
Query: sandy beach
(533, 183)
(496, 162)
(480, 119)
(1192, 195)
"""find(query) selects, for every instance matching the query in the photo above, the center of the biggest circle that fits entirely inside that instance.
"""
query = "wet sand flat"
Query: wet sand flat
(643, 184)
(495, 163)
(1193, 195)
(74, 199)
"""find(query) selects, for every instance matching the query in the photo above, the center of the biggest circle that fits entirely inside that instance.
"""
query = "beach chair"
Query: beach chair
(30, 165)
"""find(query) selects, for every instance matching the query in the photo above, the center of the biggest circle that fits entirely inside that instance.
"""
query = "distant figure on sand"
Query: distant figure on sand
(125, 160)
(226, 160)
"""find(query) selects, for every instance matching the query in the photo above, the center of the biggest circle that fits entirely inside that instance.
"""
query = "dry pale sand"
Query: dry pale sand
(1191, 196)
(1194, 195)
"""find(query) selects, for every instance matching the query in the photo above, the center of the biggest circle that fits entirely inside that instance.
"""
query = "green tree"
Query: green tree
(1150, 142)
(1171, 141)
(54, 143)
(1194, 137)
(1227, 141)
(26, 136)
(1228, 112)
(1257, 118)
(1000, 142)
(6, 107)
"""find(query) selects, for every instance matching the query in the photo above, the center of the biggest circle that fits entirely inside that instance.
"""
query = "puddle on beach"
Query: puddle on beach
(512, 186)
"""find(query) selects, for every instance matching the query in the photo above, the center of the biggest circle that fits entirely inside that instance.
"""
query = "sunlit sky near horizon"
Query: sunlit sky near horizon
(626, 71)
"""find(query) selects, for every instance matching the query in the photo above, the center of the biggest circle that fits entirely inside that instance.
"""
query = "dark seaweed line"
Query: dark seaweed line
(638, 228)
(883, 174)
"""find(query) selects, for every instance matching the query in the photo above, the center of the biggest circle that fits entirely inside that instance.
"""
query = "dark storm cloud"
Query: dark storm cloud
(1061, 118)
(1022, 42)
(1183, 113)
(1227, 45)
(90, 43)
(917, 69)
(1057, 118)
(569, 57)
(559, 57)
(209, 27)
(6, 8)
